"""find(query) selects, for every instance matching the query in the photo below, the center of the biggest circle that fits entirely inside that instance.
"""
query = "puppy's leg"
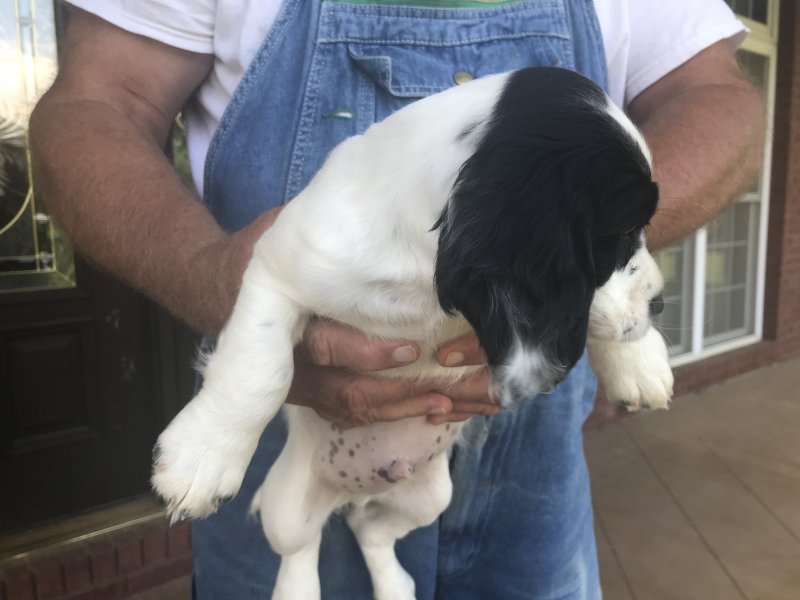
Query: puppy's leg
(298, 577)
(383, 520)
(201, 457)
(634, 374)
(294, 505)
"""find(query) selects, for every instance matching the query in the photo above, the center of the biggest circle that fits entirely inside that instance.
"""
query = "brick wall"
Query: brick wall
(107, 567)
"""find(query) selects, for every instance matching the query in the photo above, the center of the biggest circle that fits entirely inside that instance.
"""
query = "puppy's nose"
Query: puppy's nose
(657, 305)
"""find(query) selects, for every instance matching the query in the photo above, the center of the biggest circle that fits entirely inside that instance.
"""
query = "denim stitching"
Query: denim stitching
(308, 111)
(466, 42)
(251, 75)
(552, 10)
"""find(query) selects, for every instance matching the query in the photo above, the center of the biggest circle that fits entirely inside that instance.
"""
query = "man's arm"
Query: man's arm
(97, 138)
(705, 125)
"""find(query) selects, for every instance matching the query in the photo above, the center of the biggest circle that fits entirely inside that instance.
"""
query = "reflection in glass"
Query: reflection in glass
(677, 266)
(753, 9)
(33, 254)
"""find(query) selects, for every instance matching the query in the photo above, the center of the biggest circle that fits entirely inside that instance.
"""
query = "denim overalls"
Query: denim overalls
(520, 523)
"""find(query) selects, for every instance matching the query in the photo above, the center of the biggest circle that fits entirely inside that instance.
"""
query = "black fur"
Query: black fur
(553, 199)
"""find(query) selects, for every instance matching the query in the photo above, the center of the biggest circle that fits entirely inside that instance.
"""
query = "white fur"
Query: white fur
(621, 308)
(356, 246)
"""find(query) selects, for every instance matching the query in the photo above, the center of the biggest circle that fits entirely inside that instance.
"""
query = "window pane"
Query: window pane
(33, 254)
(676, 263)
(730, 274)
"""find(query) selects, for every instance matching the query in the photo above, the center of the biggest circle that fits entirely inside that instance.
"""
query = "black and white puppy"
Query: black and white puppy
(513, 205)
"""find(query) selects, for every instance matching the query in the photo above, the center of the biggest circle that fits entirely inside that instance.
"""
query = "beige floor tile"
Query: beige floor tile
(750, 542)
(776, 484)
(612, 578)
(660, 553)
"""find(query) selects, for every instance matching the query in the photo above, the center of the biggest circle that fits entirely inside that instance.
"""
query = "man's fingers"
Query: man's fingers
(454, 417)
(332, 344)
(462, 351)
(367, 400)
(431, 403)
(473, 388)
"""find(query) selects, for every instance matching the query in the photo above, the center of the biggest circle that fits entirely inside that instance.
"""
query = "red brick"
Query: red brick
(19, 583)
(159, 574)
(112, 591)
(179, 539)
(48, 578)
(154, 543)
(129, 552)
(77, 570)
(87, 595)
(103, 561)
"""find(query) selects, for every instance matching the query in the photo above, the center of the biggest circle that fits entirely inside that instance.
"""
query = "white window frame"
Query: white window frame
(762, 41)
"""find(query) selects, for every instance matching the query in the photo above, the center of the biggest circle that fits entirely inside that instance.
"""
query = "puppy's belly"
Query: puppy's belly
(371, 459)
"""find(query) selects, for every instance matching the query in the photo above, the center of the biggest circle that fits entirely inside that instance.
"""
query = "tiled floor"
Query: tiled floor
(703, 502)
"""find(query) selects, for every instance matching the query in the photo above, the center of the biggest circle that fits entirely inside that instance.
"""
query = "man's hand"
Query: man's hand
(332, 376)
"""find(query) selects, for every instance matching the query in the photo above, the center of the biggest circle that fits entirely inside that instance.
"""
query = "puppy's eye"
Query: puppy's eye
(633, 269)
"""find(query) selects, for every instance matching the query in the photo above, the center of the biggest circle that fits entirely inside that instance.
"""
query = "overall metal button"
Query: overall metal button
(462, 77)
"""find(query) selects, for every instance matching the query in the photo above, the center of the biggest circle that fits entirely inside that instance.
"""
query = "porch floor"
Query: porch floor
(703, 501)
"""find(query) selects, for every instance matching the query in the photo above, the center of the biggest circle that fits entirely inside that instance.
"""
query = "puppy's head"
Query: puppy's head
(548, 208)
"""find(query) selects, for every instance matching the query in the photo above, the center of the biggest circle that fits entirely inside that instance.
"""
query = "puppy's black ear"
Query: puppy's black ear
(518, 236)
(524, 283)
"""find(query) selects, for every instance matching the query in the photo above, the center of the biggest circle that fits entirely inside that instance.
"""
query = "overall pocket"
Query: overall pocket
(372, 59)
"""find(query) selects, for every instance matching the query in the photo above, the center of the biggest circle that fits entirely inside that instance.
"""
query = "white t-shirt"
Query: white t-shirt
(643, 39)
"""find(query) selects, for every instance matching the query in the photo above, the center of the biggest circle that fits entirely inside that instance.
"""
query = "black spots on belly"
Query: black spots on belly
(447, 427)
(430, 458)
(384, 474)
(352, 452)
(358, 479)
(341, 441)
(439, 440)
(358, 446)
(342, 473)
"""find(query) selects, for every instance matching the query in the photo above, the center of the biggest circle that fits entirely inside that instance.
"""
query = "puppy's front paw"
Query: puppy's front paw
(199, 463)
(634, 391)
(636, 374)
